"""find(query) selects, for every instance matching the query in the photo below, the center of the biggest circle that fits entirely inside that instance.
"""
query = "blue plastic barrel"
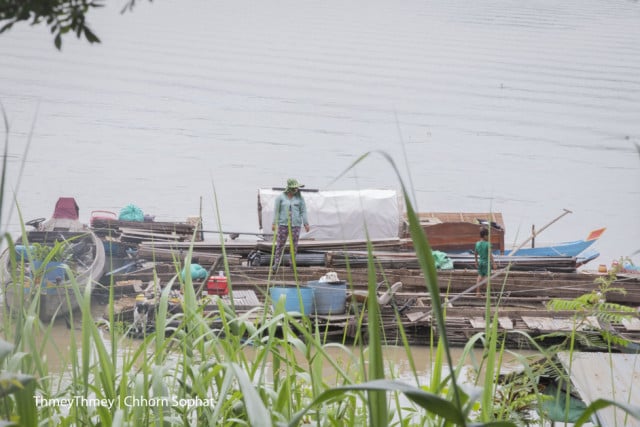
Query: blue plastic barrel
(328, 298)
(293, 296)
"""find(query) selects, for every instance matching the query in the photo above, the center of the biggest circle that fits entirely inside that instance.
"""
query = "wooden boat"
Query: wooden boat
(459, 231)
(570, 249)
(78, 255)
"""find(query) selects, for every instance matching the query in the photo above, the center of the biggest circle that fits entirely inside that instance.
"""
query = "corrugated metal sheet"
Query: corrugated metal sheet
(243, 298)
(559, 324)
(609, 376)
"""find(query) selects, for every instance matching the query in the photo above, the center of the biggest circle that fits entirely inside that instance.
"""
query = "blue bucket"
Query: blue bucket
(293, 295)
(328, 298)
(52, 271)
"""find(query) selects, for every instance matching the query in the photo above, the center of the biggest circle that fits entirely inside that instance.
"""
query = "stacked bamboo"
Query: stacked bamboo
(161, 227)
(518, 299)
(512, 284)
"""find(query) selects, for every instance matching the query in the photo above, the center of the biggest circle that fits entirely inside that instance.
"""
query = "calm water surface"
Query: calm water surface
(523, 109)
(396, 360)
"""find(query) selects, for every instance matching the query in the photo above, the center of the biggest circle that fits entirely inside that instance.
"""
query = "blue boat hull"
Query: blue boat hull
(562, 249)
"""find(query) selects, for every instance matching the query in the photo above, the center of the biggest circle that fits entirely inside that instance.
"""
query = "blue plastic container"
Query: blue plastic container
(52, 271)
(293, 296)
(114, 249)
(23, 252)
(328, 298)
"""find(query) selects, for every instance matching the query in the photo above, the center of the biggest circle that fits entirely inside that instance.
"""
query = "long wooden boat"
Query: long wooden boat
(570, 249)
(80, 254)
(457, 232)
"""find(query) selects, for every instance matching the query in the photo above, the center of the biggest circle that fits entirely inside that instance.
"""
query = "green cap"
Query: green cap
(293, 184)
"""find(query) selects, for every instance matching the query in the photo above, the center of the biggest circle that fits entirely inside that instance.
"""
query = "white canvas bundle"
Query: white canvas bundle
(342, 215)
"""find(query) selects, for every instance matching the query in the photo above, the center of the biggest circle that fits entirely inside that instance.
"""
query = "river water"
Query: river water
(524, 109)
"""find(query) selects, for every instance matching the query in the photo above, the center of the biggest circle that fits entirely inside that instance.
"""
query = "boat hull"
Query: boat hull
(54, 291)
(570, 249)
(53, 301)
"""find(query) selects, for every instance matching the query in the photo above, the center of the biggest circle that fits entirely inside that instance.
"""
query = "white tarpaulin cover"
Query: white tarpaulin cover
(342, 215)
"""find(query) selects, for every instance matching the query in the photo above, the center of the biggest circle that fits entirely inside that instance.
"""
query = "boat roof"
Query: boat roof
(66, 208)
(471, 217)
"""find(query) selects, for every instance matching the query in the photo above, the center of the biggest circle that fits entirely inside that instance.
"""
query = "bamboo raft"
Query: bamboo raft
(518, 300)
(508, 284)
(518, 292)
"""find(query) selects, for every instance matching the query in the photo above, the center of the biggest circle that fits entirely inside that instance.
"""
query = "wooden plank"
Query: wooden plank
(244, 298)
(566, 325)
(99, 224)
(131, 233)
(505, 323)
(556, 324)
(335, 317)
(631, 324)
(417, 316)
(160, 254)
(591, 322)
(538, 323)
(471, 217)
(478, 322)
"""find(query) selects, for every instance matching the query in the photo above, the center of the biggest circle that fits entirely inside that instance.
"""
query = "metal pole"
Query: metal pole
(534, 233)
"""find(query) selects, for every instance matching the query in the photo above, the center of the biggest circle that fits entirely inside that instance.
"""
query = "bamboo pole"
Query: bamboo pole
(200, 223)
(535, 233)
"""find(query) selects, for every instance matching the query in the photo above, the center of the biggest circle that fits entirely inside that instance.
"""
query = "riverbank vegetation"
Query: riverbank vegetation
(233, 369)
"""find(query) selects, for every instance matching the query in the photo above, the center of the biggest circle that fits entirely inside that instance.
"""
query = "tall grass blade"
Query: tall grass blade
(26, 403)
(427, 265)
(256, 411)
(4, 163)
(223, 246)
(431, 402)
(104, 382)
(161, 322)
(377, 400)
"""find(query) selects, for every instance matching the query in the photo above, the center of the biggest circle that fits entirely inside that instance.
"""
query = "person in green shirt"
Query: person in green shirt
(483, 257)
(290, 214)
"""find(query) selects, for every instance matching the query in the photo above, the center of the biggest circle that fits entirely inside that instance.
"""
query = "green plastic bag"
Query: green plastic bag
(197, 272)
(131, 213)
(443, 262)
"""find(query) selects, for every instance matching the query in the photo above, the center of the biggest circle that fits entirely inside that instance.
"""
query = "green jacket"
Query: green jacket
(295, 208)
